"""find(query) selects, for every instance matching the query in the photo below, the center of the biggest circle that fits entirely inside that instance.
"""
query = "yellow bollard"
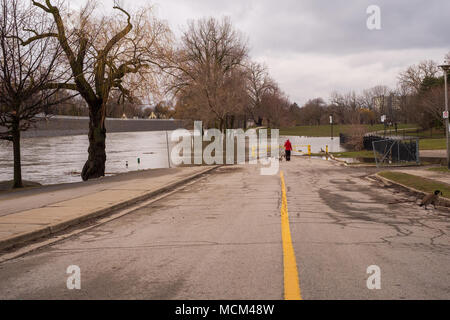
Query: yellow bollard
(309, 150)
(327, 149)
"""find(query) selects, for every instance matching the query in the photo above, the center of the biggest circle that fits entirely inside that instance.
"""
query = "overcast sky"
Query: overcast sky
(314, 47)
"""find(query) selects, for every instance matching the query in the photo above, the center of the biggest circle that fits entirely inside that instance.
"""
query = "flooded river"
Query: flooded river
(52, 160)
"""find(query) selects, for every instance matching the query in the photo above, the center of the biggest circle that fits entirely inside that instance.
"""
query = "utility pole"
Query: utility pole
(446, 68)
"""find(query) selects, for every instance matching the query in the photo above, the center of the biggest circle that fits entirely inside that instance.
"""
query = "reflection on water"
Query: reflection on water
(53, 160)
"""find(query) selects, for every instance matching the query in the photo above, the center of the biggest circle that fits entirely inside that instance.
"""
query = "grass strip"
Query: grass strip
(416, 182)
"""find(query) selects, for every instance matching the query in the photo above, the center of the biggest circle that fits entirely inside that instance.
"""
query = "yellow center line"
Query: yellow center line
(291, 280)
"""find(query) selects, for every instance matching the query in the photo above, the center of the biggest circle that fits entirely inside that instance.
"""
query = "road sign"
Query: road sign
(383, 119)
(445, 114)
(331, 119)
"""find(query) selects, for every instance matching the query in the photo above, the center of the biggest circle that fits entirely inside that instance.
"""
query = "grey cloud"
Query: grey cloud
(337, 26)
(298, 37)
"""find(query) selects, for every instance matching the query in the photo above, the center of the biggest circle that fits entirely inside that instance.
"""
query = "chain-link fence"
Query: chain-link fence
(392, 152)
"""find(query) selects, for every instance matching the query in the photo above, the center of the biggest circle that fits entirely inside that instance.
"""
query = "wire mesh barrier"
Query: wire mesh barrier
(369, 140)
(390, 152)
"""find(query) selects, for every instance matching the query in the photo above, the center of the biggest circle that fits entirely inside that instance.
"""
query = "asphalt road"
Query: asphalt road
(221, 238)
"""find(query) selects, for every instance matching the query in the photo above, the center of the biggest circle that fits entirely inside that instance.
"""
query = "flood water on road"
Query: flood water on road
(52, 160)
(300, 144)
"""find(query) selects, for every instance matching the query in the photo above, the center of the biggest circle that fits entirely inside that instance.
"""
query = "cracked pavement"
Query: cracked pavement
(220, 238)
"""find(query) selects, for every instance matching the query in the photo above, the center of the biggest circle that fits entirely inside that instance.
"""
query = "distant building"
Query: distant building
(387, 104)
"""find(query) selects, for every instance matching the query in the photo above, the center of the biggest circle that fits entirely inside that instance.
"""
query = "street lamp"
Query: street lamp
(331, 123)
(446, 69)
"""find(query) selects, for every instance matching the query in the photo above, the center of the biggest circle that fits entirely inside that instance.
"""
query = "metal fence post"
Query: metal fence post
(168, 149)
(375, 154)
(418, 151)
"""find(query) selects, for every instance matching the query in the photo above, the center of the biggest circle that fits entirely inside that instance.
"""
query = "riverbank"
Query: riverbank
(7, 186)
(62, 126)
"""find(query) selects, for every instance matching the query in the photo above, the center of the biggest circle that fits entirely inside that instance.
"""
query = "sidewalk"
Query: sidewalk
(433, 153)
(31, 214)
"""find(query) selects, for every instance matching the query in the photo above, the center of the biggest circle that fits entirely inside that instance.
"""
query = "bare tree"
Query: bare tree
(276, 109)
(413, 77)
(259, 84)
(104, 55)
(433, 106)
(211, 52)
(408, 112)
(26, 74)
(447, 58)
(191, 105)
(347, 106)
(312, 111)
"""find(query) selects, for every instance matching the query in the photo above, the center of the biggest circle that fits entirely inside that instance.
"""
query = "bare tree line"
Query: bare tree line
(418, 98)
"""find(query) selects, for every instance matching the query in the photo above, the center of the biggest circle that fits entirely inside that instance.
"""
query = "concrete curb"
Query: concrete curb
(60, 226)
(338, 160)
(442, 201)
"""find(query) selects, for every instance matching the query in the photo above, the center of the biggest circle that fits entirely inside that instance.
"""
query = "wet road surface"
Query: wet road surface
(220, 238)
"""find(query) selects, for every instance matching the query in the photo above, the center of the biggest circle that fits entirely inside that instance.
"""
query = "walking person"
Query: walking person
(288, 148)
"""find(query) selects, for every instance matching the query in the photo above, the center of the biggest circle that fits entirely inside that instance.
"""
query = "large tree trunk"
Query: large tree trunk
(17, 160)
(95, 165)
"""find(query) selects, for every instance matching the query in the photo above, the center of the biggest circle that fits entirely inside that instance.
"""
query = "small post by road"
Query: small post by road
(331, 123)
(446, 68)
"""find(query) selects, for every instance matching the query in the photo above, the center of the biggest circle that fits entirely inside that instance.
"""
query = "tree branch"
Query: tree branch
(36, 37)
(67, 86)
(37, 4)
(111, 43)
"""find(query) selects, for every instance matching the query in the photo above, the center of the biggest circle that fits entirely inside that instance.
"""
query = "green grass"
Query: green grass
(419, 183)
(427, 134)
(354, 154)
(325, 130)
(433, 144)
(440, 169)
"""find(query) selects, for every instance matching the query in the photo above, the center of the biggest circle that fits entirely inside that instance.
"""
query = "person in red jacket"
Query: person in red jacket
(288, 148)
